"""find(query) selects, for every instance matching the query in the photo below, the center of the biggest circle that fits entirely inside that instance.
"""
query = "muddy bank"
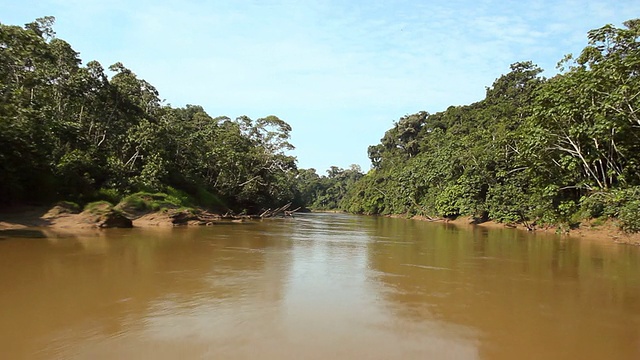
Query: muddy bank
(59, 220)
(607, 231)
(36, 222)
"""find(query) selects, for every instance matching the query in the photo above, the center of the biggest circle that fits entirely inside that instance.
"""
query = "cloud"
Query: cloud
(335, 70)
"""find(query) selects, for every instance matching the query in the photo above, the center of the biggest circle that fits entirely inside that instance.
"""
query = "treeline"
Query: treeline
(534, 151)
(326, 192)
(75, 132)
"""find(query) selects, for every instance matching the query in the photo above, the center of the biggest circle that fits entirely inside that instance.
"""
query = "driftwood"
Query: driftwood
(283, 210)
(290, 213)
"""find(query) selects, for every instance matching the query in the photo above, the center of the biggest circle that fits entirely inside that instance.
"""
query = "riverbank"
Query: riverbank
(63, 220)
(60, 220)
(607, 231)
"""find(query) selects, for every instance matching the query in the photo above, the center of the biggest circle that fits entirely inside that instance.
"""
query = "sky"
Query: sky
(340, 72)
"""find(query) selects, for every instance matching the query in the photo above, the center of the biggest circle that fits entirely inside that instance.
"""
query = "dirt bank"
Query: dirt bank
(61, 220)
(607, 231)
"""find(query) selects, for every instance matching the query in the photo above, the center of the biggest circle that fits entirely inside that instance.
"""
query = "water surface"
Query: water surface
(320, 286)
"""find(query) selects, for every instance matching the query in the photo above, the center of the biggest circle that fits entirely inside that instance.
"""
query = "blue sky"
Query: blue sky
(340, 72)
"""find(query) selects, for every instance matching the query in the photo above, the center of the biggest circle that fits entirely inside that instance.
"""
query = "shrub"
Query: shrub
(136, 202)
(622, 204)
(178, 197)
(209, 200)
(629, 218)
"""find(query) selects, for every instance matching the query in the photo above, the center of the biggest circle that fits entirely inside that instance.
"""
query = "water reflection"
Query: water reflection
(533, 295)
(315, 287)
(82, 297)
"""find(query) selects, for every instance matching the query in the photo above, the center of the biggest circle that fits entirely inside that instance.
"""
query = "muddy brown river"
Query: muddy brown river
(320, 286)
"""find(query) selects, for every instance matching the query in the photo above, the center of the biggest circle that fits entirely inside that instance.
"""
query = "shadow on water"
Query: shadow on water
(76, 297)
(21, 233)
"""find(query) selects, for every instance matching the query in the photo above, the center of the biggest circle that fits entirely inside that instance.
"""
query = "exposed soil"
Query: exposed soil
(38, 221)
(24, 220)
(607, 231)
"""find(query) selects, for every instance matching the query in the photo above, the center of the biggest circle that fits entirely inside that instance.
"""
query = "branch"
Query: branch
(132, 160)
(248, 181)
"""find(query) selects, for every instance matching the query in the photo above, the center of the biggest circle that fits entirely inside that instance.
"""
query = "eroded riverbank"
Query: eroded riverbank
(607, 231)
(23, 221)
(59, 221)
(319, 286)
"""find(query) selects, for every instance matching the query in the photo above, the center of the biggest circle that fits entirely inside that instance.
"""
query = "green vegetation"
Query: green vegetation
(68, 206)
(98, 207)
(325, 192)
(534, 151)
(75, 132)
(142, 202)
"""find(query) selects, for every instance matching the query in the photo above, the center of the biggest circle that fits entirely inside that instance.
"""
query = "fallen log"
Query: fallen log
(290, 213)
(281, 210)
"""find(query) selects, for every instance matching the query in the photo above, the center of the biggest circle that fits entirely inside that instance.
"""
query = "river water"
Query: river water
(320, 286)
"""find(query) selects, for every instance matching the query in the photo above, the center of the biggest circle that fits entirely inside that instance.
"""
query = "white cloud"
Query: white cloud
(335, 70)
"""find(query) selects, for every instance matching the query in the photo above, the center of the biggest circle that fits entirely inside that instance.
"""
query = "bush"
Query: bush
(135, 202)
(111, 195)
(594, 206)
(629, 218)
(144, 201)
(178, 197)
(209, 200)
(622, 204)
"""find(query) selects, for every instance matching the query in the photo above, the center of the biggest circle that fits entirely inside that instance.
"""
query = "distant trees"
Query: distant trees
(326, 192)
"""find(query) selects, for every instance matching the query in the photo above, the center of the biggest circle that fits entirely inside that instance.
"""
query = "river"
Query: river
(319, 286)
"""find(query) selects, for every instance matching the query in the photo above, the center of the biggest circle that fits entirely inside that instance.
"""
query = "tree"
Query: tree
(588, 116)
(70, 131)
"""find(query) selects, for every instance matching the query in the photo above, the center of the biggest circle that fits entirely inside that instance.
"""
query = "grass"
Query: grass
(598, 221)
(100, 207)
(69, 206)
(144, 202)
(141, 202)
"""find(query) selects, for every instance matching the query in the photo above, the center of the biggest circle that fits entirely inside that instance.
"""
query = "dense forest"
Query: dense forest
(79, 133)
(535, 151)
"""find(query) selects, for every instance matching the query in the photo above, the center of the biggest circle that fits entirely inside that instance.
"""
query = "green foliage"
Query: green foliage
(70, 131)
(621, 204)
(447, 201)
(457, 162)
(136, 202)
(532, 151)
(209, 200)
(144, 201)
(98, 207)
(629, 217)
(111, 195)
(529, 152)
(69, 206)
(178, 197)
(325, 192)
